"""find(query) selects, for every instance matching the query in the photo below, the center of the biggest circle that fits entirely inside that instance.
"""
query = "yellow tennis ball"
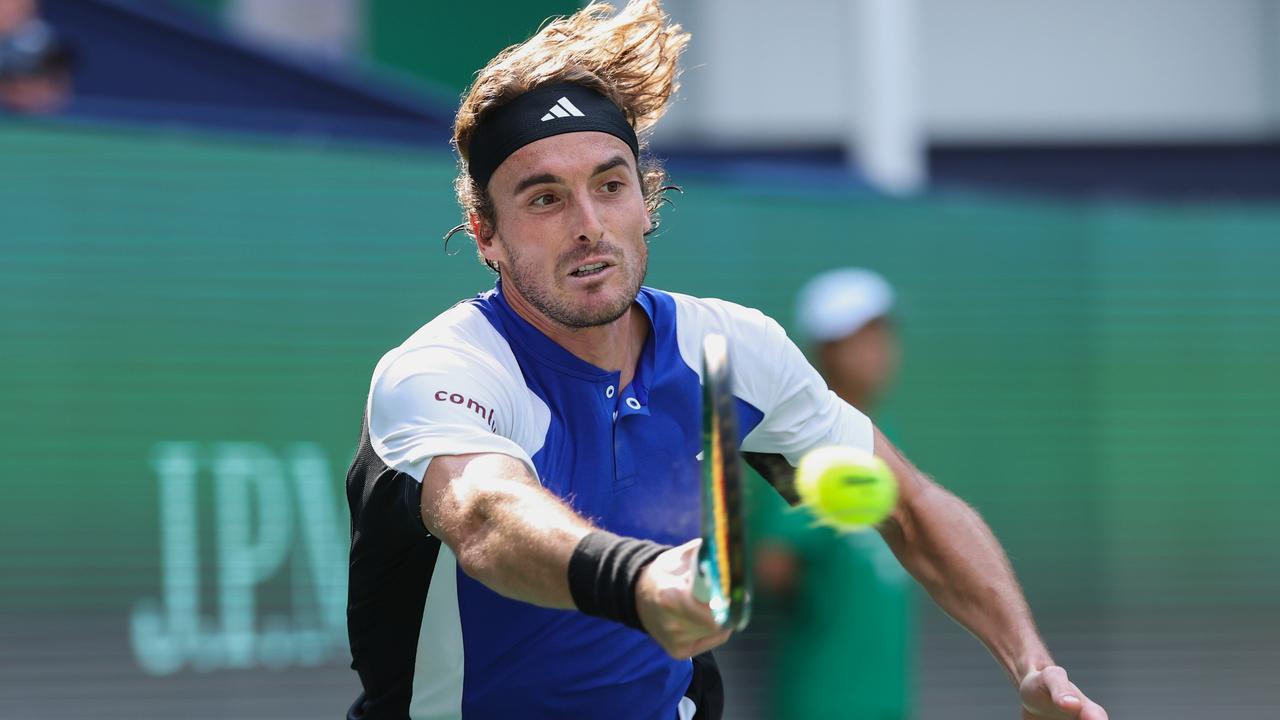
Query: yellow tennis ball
(847, 488)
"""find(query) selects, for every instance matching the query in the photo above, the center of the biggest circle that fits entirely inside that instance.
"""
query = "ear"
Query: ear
(484, 234)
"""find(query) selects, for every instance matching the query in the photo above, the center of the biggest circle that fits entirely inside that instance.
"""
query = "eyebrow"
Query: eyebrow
(532, 180)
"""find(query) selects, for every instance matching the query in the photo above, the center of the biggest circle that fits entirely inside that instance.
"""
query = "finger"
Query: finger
(690, 547)
(695, 617)
(687, 563)
(1046, 711)
(684, 617)
(692, 609)
(701, 614)
(1055, 679)
(1064, 692)
(1089, 710)
(679, 599)
(1093, 711)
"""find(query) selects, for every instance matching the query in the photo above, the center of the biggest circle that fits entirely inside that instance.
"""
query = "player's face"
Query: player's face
(571, 221)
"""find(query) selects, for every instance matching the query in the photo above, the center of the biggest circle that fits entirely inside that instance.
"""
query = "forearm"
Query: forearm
(512, 536)
(521, 545)
(953, 554)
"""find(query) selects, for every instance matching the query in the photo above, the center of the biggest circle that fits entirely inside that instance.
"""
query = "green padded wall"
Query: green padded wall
(188, 324)
(446, 43)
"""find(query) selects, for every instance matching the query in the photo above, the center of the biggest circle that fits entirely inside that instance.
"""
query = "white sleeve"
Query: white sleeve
(800, 413)
(441, 400)
(771, 374)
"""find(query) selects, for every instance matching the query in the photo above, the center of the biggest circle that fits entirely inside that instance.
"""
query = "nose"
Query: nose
(590, 229)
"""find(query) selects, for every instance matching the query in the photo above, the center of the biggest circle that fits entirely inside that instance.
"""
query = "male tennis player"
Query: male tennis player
(526, 493)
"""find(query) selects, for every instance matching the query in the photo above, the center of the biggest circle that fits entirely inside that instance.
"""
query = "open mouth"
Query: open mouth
(590, 269)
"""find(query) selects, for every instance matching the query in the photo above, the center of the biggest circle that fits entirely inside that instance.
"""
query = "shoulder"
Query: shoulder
(461, 339)
(716, 315)
(696, 317)
(453, 387)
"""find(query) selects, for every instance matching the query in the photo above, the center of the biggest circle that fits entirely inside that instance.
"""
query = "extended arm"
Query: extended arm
(952, 553)
(515, 537)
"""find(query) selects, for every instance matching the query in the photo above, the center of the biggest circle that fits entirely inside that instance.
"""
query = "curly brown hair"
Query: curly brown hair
(629, 57)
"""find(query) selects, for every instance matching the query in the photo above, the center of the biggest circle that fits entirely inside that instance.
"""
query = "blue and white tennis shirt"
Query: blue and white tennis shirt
(429, 641)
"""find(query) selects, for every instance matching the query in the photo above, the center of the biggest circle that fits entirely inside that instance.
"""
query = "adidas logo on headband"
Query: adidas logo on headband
(562, 108)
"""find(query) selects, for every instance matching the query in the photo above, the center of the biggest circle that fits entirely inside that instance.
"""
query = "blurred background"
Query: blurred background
(216, 215)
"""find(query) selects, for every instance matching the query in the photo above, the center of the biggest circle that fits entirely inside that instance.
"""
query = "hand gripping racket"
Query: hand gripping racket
(721, 578)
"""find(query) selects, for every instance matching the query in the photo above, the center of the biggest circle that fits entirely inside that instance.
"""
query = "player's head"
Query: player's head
(845, 313)
(553, 172)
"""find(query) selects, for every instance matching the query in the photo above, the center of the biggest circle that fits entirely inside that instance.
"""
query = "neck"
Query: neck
(615, 346)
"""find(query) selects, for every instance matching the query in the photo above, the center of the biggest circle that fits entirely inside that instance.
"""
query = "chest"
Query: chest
(627, 459)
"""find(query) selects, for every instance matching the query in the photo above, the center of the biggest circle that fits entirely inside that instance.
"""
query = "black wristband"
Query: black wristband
(603, 573)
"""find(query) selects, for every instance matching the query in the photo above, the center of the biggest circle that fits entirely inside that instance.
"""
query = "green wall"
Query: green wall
(446, 43)
(188, 325)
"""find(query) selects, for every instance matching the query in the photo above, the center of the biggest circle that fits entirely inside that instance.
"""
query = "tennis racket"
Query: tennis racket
(721, 579)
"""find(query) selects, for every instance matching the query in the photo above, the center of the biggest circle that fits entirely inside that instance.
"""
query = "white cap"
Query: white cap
(840, 302)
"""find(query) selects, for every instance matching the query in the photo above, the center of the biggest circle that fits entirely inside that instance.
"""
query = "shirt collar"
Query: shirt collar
(548, 352)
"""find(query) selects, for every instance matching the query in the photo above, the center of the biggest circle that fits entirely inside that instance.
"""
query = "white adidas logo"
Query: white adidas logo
(562, 108)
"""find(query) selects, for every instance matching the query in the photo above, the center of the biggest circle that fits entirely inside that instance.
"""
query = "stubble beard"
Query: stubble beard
(560, 310)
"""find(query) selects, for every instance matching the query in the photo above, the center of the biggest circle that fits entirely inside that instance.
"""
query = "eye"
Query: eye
(613, 186)
(543, 200)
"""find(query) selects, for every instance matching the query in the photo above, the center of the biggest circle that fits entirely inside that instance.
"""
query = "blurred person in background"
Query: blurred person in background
(35, 63)
(844, 632)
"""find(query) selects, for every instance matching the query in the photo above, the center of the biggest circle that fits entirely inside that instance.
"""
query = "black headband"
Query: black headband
(540, 113)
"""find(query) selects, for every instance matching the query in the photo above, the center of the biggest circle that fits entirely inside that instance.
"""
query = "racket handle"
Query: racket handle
(701, 586)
